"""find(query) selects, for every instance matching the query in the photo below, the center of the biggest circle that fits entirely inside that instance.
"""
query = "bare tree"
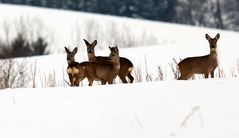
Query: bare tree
(218, 15)
(230, 13)
(193, 12)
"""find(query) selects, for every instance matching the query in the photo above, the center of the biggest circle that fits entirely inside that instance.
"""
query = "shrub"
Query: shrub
(21, 47)
(13, 74)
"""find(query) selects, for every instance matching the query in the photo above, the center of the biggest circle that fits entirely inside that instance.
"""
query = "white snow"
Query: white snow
(169, 109)
(181, 109)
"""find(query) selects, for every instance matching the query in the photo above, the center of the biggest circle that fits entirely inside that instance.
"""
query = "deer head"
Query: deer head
(90, 49)
(212, 41)
(114, 54)
(70, 55)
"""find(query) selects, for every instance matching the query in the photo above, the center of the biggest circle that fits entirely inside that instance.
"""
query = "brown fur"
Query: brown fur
(76, 73)
(200, 65)
(126, 65)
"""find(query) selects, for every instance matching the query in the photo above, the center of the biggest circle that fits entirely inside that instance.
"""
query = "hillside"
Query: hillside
(159, 42)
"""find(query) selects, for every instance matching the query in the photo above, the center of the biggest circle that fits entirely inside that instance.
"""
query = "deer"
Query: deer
(202, 64)
(75, 70)
(126, 66)
(106, 72)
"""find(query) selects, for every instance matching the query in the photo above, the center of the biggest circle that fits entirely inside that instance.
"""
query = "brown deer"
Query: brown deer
(75, 70)
(200, 65)
(126, 65)
(106, 72)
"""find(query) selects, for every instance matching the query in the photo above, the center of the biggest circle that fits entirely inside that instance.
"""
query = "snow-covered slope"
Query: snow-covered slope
(180, 109)
(173, 41)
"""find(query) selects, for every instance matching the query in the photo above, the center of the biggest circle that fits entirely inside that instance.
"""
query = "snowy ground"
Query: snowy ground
(168, 109)
(180, 109)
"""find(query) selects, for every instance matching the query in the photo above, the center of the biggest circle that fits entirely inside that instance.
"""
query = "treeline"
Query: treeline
(22, 47)
(222, 14)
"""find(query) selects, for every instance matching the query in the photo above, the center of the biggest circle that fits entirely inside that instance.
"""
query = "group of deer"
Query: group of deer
(105, 69)
(99, 68)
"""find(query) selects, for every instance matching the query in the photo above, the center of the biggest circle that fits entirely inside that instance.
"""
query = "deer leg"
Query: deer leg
(188, 76)
(72, 80)
(206, 75)
(103, 82)
(122, 78)
(131, 78)
(110, 82)
(181, 77)
(90, 83)
(212, 74)
(78, 82)
(72, 83)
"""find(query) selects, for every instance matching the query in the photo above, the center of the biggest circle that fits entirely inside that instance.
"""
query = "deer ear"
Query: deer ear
(94, 43)
(117, 48)
(67, 50)
(207, 36)
(75, 50)
(217, 36)
(86, 42)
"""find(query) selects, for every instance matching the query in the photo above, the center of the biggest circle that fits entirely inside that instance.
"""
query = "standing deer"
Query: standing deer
(75, 70)
(126, 65)
(200, 65)
(105, 72)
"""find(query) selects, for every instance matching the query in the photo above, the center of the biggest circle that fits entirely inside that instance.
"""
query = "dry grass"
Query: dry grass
(13, 73)
(138, 74)
(161, 75)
